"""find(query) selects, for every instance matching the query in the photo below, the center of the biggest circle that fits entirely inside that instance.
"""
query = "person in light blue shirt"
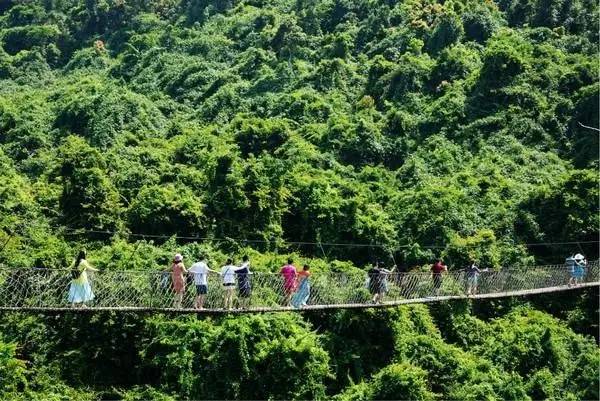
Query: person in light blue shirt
(576, 266)
(473, 273)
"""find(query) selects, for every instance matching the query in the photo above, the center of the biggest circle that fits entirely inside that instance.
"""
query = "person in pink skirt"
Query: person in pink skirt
(288, 272)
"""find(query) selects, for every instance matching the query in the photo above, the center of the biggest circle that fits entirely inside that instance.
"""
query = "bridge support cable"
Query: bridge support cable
(128, 290)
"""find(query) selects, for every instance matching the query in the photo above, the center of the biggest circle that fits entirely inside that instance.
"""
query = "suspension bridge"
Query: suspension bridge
(45, 290)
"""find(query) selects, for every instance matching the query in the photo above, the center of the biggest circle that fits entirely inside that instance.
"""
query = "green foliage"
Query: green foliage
(456, 62)
(17, 39)
(166, 209)
(145, 393)
(541, 349)
(459, 374)
(147, 84)
(257, 136)
(447, 31)
(585, 111)
(570, 207)
(12, 377)
(569, 15)
(505, 58)
(99, 111)
(89, 198)
(409, 76)
(401, 381)
(18, 383)
(238, 358)
(395, 382)
(480, 23)
(481, 248)
(91, 58)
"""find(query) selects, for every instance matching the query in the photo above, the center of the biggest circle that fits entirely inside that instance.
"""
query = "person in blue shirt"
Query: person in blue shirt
(576, 266)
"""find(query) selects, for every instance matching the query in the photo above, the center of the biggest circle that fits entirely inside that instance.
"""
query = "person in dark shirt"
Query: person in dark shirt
(243, 281)
(436, 273)
(378, 281)
(374, 282)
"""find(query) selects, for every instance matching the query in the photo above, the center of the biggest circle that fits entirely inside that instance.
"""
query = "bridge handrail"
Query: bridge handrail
(48, 288)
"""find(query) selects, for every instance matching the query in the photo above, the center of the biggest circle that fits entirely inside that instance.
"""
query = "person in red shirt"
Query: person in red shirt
(436, 272)
(288, 273)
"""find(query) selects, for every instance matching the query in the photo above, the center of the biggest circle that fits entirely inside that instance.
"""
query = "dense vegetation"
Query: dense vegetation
(426, 128)
(408, 353)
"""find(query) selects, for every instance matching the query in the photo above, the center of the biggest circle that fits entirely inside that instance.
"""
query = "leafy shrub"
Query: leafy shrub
(24, 38)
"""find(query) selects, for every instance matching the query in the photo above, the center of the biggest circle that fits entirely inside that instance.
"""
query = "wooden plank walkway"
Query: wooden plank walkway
(92, 309)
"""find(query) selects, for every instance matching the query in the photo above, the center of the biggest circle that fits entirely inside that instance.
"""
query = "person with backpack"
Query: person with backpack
(80, 290)
(577, 269)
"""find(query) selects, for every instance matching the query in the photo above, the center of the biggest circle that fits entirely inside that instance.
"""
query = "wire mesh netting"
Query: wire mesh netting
(126, 289)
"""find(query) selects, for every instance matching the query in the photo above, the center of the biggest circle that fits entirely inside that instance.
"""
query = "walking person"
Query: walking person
(288, 272)
(243, 281)
(80, 290)
(200, 271)
(436, 273)
(378, 281)
(385, 273)
(177, 276)
(579, 268)
(301, 296)
(570, 265)
(228, 277)
(473, 273)
(374, 282)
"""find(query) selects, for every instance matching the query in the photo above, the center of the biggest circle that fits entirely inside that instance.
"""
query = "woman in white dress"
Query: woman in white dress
(80, 290)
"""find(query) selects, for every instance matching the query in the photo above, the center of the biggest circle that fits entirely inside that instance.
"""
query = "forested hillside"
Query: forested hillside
(461, 129)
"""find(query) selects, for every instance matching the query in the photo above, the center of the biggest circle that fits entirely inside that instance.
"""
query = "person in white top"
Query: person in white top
(228, 275)
(200, 271)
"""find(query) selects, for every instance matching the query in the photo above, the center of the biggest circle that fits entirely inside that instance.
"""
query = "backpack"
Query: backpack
(570, 263)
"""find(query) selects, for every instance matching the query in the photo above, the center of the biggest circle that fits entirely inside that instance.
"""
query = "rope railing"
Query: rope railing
(47, 289)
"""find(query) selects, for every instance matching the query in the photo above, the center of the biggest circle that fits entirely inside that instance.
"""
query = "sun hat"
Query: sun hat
(178, 257)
